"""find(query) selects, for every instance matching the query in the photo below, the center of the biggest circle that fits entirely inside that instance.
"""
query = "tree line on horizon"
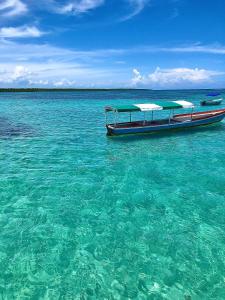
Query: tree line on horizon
(63, 89)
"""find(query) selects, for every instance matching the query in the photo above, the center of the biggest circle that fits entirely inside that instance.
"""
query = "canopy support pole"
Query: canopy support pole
(169, 116)
(152, 115)
(106, 118)
(130, 117)
(144, 118)
(115, 118)
(192, 113)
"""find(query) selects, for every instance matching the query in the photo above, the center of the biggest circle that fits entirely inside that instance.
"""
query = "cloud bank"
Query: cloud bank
(173, 77)
(43, 64)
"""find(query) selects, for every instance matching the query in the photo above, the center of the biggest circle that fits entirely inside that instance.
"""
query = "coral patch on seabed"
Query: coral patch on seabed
(10, 129)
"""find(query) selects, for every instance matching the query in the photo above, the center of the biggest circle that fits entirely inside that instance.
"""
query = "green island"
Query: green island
(17, 90)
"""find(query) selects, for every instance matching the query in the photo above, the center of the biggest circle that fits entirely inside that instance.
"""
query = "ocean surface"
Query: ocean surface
(86, 216)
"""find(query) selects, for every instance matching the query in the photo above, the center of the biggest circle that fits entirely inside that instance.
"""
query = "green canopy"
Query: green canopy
(123, 108)
(168, 104)
(158, 105)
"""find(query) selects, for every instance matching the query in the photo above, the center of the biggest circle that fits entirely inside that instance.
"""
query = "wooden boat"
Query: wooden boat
(177, 121)
(211, 102)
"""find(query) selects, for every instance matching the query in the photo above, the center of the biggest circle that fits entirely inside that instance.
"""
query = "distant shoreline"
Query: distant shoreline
(16, 90)
(30, 90)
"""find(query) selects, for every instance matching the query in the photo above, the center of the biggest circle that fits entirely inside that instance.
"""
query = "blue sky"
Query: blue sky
(159, 44)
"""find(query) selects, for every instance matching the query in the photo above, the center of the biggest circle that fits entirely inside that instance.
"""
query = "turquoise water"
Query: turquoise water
(84, 216)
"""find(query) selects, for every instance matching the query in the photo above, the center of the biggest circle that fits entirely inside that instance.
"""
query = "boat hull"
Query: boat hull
(211, 102)
(217, 117)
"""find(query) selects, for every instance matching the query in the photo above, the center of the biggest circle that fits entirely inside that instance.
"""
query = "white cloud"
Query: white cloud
(20, 72)
(209, 49)
(10, 8)
(137, 6)
(138, 78)
(44, 52)
(64, 83)
(181, 74)
(39, 82)
(20, 32)
(79, 7)
(174, 77)
(16, 74)
(52, 64)
(57, 74)
(193, 48)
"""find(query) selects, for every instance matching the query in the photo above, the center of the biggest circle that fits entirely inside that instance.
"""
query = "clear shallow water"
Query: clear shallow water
(83, 216)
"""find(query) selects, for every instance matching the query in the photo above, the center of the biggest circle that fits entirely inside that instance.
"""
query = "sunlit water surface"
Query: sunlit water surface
(85, 216)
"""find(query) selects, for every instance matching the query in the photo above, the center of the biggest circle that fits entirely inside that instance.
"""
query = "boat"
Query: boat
(173, 121)
(212, 101)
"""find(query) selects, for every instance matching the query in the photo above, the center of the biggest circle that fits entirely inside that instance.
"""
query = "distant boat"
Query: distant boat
(178, 121)
(212, 101)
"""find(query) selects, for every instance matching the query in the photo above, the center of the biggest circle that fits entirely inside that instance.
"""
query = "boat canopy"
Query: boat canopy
(215, 94)
(122, 108)
(159, 105)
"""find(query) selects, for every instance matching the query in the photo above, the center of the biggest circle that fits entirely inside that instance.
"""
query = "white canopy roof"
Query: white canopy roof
(184, 104)
(149, 107)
